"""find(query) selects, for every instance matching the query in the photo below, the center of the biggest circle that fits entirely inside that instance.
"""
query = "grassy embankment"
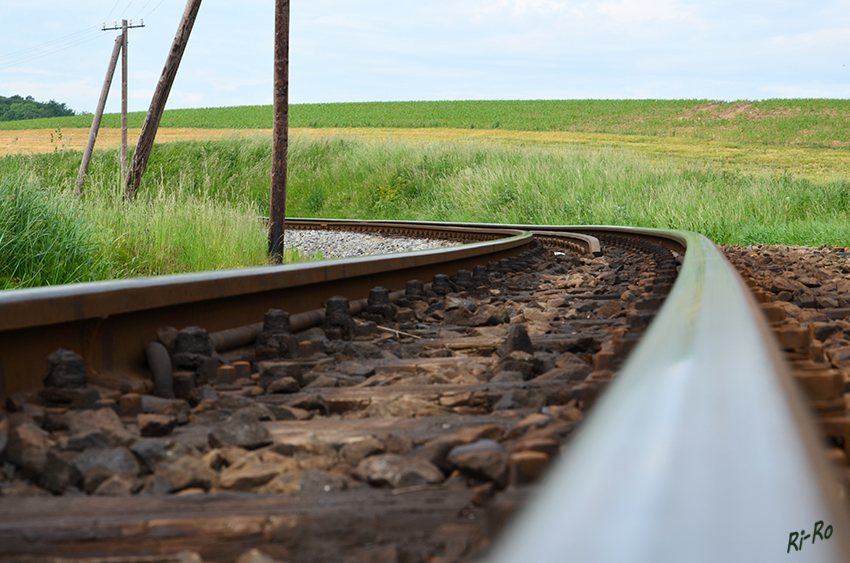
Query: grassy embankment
(48, 237)
(764, 172)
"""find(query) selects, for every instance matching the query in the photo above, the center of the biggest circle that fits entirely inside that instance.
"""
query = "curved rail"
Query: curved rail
(110, 323)
(577, 234)
(701, 450)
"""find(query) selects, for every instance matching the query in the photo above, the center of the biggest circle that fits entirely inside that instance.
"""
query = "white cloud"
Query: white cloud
(137, 94)
(59, 91)
(229, 85)
(188, 99)
(835, 38)
(438, 49)
(633, 12)
(521, 7)
(341, 20)
(807, 91)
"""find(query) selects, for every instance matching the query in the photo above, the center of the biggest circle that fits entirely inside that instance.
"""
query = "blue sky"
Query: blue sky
(434, 50)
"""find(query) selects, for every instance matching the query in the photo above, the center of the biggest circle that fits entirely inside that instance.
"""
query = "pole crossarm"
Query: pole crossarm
(120, 27)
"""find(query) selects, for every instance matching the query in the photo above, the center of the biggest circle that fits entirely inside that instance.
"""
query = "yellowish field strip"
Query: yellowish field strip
(48, 140)
(813, 163)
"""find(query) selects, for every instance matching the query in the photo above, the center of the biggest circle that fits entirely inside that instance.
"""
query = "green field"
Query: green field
(642, 163)
(798, 122)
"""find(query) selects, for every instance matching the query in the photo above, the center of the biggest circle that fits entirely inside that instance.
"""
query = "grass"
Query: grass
(48, 237)
(815, 164)
(341, 176)
(797, 122)
(43, 240)
(665, 164)
(479, 182)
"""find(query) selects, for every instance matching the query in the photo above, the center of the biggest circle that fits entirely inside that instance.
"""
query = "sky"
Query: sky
(388, 50)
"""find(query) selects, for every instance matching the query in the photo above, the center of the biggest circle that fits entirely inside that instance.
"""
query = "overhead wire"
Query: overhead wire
(127, 7)
(57, 49)
(53, 46)
(112, 10)
(72, 37)
(66, 38)
(142, 9)
(154, 10)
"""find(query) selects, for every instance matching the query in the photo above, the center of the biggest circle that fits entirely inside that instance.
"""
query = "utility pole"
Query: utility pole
(280, 131)
(160, 96)
(124, 27)
(98, 115)
(123, 99)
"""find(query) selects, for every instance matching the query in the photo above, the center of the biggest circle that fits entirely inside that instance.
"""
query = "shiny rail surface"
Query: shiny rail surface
(701, 450)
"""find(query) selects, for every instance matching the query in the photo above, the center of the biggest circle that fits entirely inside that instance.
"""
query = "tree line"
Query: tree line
(16, 108)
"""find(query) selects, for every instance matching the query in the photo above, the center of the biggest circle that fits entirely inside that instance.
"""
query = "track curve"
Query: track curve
(702, 436)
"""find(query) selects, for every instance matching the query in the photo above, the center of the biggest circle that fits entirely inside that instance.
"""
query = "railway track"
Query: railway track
(411, 425)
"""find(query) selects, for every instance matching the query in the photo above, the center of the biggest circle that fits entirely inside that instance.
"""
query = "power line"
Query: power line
(112, 10)
(127, 7)
(142, 9)
(154, 10)
(65, 39)
(57, 49)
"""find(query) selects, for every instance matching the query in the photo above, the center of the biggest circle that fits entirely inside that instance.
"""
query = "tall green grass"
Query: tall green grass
(44, 239)
(199, 203)
(465, 181)
(166, 232)
(47, 236)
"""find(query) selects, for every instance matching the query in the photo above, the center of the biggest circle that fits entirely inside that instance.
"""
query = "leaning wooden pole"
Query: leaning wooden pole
(280, 132)
(160, 96)
(98, 115)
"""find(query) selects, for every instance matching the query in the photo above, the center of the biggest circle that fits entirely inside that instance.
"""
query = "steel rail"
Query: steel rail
(672, 240)
(110, 323)
(701, 449)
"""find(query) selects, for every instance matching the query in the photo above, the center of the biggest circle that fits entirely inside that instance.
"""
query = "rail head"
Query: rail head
(701, 449)
(110, 323)
(26, 308)
(675, 241)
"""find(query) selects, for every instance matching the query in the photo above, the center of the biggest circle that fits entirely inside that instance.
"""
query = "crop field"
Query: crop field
(799, 122)
(741, 173)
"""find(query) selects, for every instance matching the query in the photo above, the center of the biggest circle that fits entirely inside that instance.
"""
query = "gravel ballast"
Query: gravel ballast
(343, 244)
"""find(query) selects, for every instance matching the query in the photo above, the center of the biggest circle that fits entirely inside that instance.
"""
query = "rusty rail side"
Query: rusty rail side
(110, 323)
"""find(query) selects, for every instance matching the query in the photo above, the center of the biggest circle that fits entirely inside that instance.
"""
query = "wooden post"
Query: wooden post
(160, 96)
(277, 208)
(123, 99)
(98, 115)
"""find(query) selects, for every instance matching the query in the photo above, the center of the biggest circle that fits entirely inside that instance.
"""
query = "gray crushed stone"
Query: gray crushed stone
(343, 244)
